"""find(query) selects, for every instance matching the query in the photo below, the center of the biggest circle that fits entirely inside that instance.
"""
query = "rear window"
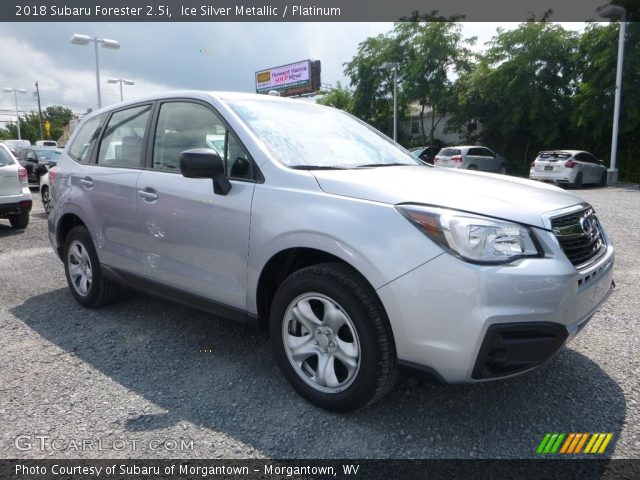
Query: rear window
(449, 152)
(5, 158)
(554, 155)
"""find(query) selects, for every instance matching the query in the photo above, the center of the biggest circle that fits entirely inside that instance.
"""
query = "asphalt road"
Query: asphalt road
(146, 378)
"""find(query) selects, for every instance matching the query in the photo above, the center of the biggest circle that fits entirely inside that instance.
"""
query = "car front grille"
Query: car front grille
(580, 236)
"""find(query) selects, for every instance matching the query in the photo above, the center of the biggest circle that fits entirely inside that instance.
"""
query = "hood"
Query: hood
(499, 196)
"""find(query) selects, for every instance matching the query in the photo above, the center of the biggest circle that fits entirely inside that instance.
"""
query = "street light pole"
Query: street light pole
(16, 91)
(616, 12)
(78, 39)
(121, 81)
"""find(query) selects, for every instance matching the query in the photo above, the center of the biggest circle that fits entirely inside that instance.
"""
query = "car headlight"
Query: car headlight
(472, 237)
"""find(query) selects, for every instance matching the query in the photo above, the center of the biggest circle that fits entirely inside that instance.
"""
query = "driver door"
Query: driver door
(194, 240)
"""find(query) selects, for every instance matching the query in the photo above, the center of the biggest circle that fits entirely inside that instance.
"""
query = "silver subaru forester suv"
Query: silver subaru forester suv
(361, 261)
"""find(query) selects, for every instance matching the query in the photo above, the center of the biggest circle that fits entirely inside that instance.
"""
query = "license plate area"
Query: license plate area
(548, 168)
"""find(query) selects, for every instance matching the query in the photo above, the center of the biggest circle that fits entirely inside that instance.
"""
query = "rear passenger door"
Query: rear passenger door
(194, 240)
(108, 186)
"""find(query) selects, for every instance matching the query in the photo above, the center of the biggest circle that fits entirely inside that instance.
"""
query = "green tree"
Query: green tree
(338, 97)
(373, 84)
(520, 91)
(434, 52)
(57, 116)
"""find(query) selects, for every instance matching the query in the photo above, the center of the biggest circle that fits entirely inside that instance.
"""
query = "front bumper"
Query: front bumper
(442, 312)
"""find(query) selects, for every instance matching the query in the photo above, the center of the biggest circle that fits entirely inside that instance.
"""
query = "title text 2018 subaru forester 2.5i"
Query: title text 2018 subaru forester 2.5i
(360, 260)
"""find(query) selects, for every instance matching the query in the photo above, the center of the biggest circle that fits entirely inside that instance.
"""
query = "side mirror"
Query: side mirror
(205, 163)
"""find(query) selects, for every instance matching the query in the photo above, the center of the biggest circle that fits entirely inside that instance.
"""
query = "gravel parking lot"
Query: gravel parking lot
(146, 378)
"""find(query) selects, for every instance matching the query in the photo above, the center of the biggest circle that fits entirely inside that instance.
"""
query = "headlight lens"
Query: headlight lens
(472, 237)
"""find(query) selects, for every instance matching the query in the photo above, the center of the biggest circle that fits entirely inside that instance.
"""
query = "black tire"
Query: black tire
(603, 179)
(100, 291)
(377, 363)
(472, 167)
(46, 198)
(578, 182)
(19, 220)
(502, 169)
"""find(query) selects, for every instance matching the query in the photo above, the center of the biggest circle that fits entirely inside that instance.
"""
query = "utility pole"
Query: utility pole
(37, 92)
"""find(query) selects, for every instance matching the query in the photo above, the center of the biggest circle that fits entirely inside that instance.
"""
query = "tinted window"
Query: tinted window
(585, 157)
(449, 152)
(183, 126)
(121, 144)
(475, 151)
(80, 148)
(485, 152)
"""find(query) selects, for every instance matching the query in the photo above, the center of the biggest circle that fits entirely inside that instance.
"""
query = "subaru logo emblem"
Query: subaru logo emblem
(588, 225)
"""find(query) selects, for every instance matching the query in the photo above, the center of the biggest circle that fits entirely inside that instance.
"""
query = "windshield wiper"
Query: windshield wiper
(316, 167)
(371, 165)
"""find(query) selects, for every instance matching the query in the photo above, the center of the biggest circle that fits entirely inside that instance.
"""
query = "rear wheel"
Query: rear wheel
(578, 181)
(472, 167)
(19, 220)
(46, 199)
(332, 339)
(82, 269)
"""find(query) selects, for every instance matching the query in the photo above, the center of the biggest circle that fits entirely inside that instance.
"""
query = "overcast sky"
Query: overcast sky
(168, 56)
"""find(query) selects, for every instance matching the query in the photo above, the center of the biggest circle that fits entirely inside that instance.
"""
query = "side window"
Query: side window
(182, 126)
(475, 151)
(121, 144)
(237, 161)
(582, 157)
(80, 149)
(486, 152)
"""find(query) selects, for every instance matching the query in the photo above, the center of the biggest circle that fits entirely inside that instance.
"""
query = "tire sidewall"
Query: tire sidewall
(363, 387)
(81, 234)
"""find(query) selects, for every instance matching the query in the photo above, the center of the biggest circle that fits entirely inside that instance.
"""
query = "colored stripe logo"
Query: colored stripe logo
(574, 443)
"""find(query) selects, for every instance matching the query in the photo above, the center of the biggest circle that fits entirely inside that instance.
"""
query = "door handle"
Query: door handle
(87, 183)
(148, 195)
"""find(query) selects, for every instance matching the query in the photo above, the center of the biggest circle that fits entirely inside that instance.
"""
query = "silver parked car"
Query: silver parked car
(471, 157)
(568, 167)
(359, 260)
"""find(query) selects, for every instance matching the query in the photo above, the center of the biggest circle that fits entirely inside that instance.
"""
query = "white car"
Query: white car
(568, 167)
(15, 197)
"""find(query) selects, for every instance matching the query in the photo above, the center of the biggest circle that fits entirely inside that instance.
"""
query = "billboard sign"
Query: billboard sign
(282, 78)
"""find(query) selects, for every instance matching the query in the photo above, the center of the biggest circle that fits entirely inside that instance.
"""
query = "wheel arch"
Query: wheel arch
(67, 222)
(284, 263)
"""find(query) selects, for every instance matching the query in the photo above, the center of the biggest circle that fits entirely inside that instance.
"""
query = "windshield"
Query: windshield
(301, 134)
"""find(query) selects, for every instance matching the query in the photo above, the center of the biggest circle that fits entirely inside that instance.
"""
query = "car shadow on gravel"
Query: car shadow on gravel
(223, 377)
(7, 230)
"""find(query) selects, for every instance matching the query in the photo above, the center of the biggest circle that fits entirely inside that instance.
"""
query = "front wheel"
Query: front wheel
(502, 169)
(331, 338)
